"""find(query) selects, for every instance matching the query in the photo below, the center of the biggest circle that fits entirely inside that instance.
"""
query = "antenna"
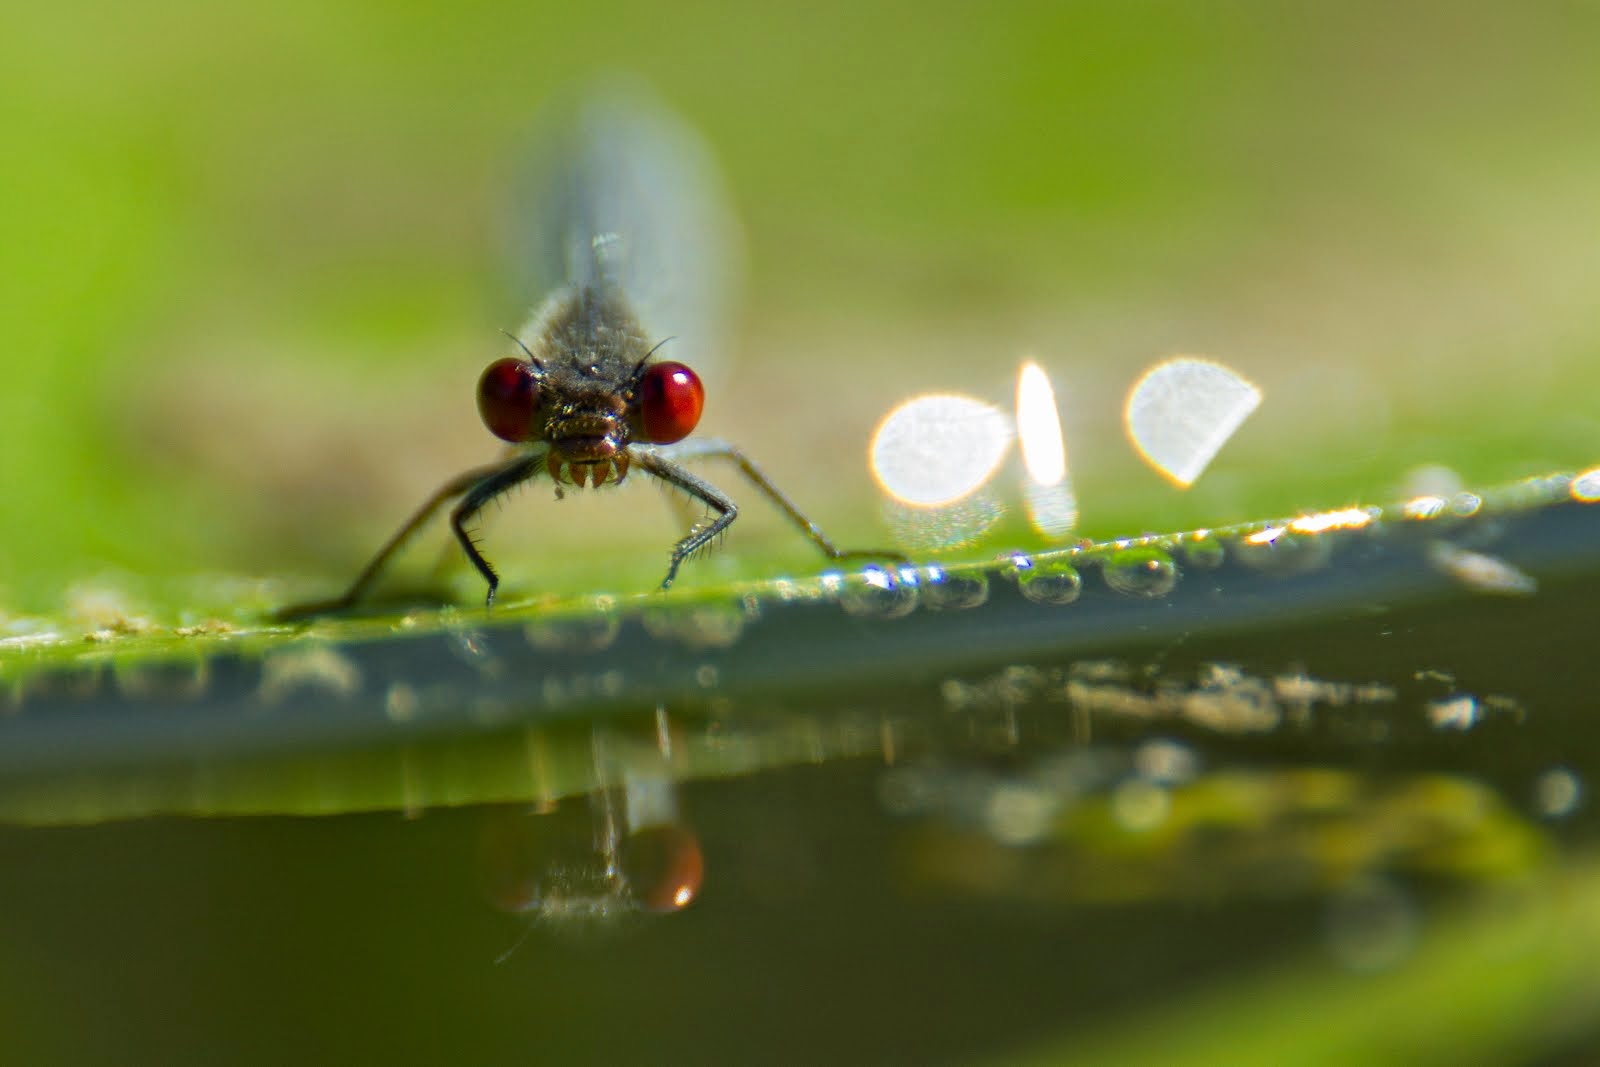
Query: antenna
(529, 352)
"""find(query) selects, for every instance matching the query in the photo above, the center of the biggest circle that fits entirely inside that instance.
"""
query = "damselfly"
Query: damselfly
(626, 212)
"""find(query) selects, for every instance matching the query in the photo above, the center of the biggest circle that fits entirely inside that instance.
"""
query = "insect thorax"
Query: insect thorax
(588, 338)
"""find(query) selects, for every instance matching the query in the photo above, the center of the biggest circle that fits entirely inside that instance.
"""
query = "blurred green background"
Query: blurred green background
(255, 258)
(252, 258)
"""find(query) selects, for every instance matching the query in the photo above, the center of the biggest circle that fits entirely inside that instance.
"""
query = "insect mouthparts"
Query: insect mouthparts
(594, 473)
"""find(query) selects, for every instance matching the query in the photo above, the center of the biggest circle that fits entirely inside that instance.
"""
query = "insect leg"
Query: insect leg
(711, 448)
(701, 490)
(501, 479)
(461, 483)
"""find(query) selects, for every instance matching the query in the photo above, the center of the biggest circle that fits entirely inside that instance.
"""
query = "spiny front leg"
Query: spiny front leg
(712, 448)
(461, 483)
(502, 480)
(701, 490)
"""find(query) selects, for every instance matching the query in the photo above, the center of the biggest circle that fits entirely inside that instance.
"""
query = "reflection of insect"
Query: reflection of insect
(584, 403)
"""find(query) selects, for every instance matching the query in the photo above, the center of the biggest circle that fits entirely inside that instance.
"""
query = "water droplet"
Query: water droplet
(1204, 553)
(75, 681)
(1479, 571)
(710, 625)
(582, 633)
(1276, 552)
(1146, 572)
(879, 593)
(318, 669)
(1017, 561)
(1050, 582)
(1166, 762)
(1424, 507)
(401, 703)
(1372, 925)
(1457, 713)
(1585, 487)
(1558, 793)
(943, 591)
(1020, 814)
(175, 680)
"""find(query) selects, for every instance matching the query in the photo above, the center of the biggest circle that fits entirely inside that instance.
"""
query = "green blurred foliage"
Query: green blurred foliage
(251, 260)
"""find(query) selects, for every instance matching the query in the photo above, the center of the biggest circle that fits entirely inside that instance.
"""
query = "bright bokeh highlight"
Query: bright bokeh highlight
(1044, 453)
(1585, 487)
(1052, 507)
(1343, 519)
(1181, 413)
(936, 449)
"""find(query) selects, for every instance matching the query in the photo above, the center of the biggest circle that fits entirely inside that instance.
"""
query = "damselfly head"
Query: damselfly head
(587, 389)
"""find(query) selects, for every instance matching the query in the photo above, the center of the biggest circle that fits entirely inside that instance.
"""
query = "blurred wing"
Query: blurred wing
(622, 192)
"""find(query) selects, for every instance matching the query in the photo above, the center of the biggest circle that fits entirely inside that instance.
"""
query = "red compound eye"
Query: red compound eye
(508, 397)
(670, 398)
